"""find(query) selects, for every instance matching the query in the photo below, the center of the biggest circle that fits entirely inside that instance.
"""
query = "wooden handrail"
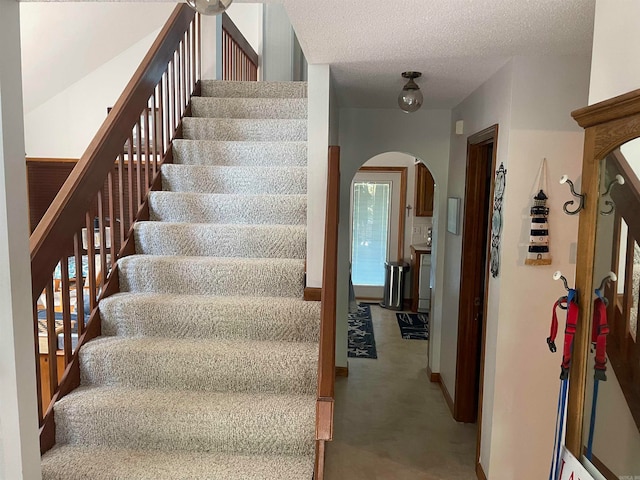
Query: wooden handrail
(327, 347)
(239, 59)
(61, 219)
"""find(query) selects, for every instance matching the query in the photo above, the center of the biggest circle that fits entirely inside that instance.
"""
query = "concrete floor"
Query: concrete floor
(391, 422)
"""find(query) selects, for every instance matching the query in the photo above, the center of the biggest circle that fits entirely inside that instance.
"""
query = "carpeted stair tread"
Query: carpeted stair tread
(199, 316)
(235, 180)
(70, 462)
(211, 365)
(179, 420)
(249, 107)
(233, 89)
(266, 154)
(212, 276)
(226, 208)
(220, 240)
(234, 129)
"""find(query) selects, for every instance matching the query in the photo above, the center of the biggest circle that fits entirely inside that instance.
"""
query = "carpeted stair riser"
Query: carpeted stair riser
(181, 316)
(230, 209)
(230, 129)
(75, 463)
(214, 240)
(235, 180)
(179, 420)
(282, 108)
(236, 154)
(201, 365)
(216, 88)
(212, 276)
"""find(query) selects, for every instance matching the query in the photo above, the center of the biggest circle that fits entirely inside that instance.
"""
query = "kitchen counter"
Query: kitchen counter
(421, 247)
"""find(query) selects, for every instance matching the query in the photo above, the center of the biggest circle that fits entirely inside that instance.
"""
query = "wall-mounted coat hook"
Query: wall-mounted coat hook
(565, 179)
(610, 277)
(558, 276)
(619, 180)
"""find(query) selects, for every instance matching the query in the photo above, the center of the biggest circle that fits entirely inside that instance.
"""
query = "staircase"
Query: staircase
(207, 362)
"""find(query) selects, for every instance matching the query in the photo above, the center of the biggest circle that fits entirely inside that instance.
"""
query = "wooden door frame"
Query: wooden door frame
(403, 200)
(464, 409)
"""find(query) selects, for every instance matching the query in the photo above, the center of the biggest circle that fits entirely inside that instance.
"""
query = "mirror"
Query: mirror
(611, 419)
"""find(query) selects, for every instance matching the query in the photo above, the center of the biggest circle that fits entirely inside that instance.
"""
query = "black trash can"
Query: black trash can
(394, 285)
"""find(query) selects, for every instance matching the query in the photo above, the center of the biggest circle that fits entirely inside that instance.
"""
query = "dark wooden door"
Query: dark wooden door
(474, 272)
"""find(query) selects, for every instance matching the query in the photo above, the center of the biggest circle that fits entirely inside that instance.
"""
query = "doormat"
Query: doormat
(413, 326)
(362, 343)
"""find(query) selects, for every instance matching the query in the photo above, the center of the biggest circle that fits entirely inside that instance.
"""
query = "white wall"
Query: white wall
(278, 44)
(616, 43)
(19, 443)
(488, 105)
(319, 99)
(531, 100)
(365, 133)
(248, 19)
(63, 42)
(63, 126)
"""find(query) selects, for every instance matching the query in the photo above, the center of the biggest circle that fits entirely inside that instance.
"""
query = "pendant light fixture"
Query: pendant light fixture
(410, 98)
(209, 7)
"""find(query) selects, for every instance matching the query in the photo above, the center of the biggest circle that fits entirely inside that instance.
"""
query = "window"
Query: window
(370, 231)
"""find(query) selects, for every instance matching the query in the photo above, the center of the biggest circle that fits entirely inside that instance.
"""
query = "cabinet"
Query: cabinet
(424, 191)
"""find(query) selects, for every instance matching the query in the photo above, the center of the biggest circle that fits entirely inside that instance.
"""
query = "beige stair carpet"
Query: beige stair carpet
(207, 363)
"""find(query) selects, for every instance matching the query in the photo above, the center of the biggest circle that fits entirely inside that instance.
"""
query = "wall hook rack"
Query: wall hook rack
(619, 180)
(563, 301)
(558, 276)
(565, 179)
(610, 277)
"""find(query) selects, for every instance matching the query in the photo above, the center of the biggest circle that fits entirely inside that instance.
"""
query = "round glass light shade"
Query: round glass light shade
(410, 98)
(209, 7)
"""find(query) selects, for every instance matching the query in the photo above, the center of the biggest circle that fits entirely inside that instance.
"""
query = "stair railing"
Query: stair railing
(327, 347)
(75, 246)
(239, 59)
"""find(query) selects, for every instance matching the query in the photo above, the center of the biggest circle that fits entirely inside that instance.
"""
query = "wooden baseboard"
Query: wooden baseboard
(480, 472)
(433, 377)
(342, 371)
(447, 395)
(312, 294)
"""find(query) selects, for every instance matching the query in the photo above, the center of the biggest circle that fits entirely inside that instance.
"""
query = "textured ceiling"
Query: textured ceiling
(457, 44)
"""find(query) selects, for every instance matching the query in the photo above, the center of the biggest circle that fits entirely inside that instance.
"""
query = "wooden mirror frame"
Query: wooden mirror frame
(607, 125)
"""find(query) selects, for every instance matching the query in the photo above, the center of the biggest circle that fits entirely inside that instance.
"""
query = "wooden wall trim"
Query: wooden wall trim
(327, 360)
(433, 377)
(447, 395)
(312, 294)
(480, 472)
(342, 371)
(327, 347)
(50, 160)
